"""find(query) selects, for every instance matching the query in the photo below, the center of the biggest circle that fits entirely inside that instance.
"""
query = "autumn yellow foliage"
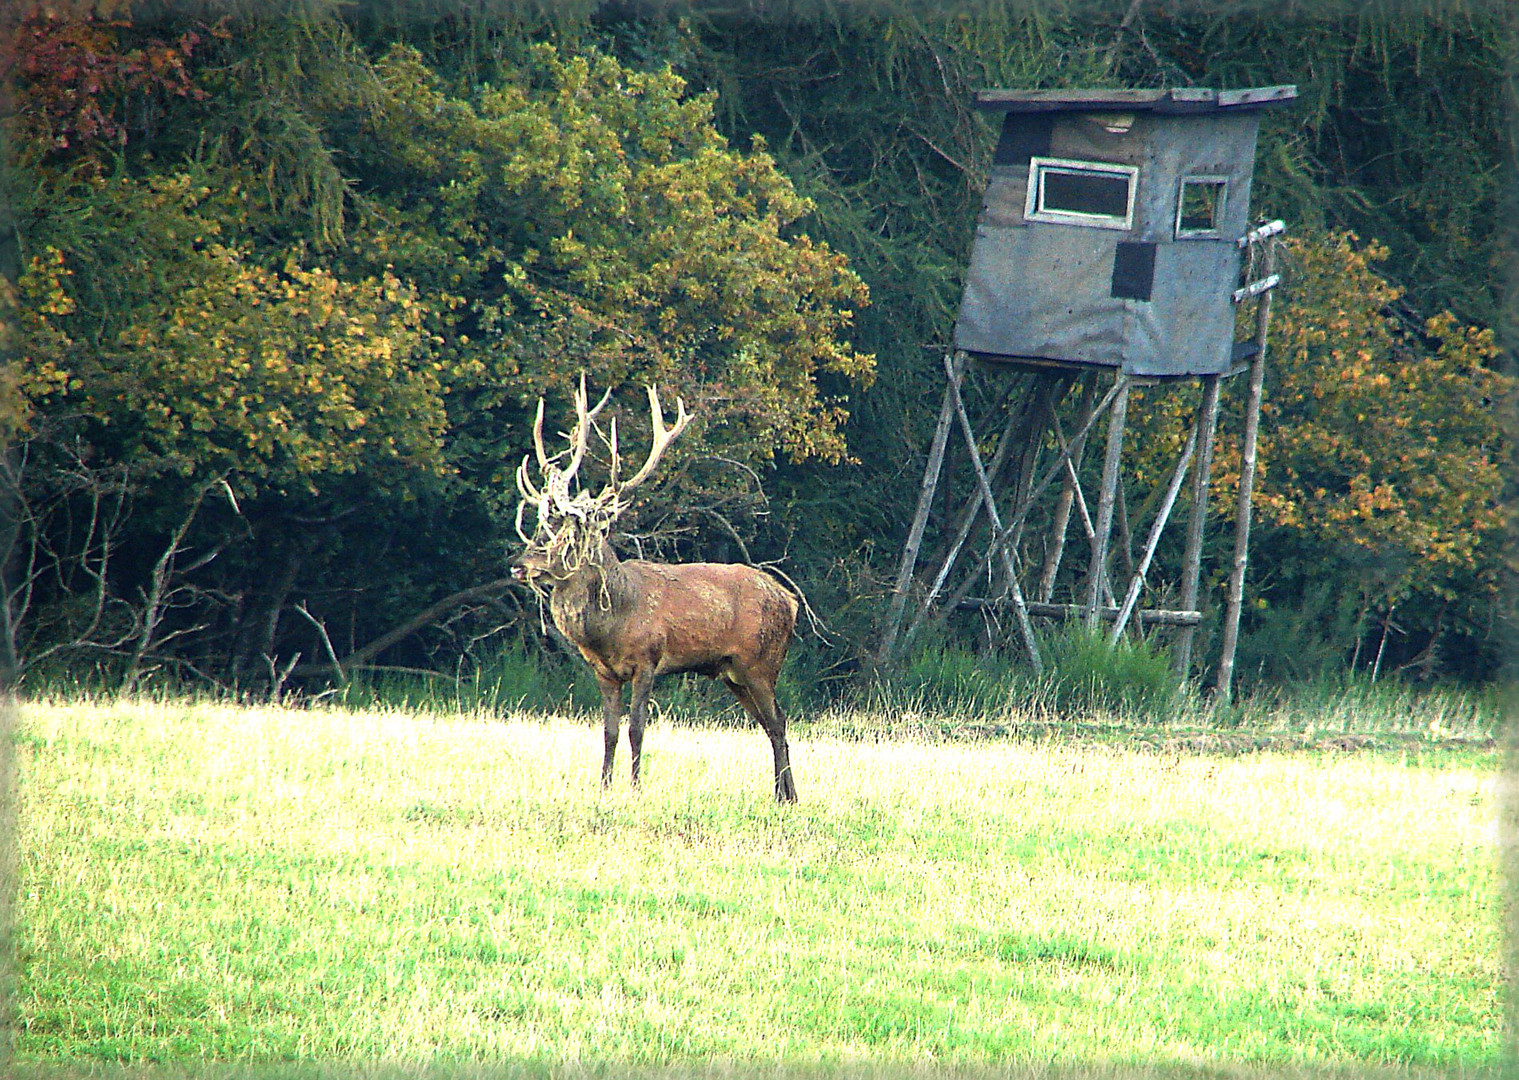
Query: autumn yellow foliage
(1378, 432)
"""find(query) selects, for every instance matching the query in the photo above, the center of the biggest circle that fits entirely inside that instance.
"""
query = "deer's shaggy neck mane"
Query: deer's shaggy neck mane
(591, 597)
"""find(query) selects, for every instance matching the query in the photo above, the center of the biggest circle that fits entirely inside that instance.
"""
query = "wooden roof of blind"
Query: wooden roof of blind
(1178, 100)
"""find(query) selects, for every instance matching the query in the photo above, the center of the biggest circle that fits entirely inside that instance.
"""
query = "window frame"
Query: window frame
(1034, 210)
(1217, 231)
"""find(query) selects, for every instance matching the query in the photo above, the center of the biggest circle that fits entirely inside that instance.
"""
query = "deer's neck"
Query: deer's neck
(590, 602)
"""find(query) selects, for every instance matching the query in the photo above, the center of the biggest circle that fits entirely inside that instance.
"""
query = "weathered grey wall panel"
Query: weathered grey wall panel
(1041, 291)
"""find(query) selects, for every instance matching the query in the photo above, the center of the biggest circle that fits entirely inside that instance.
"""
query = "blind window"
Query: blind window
(1091, 193)
(1200, 207)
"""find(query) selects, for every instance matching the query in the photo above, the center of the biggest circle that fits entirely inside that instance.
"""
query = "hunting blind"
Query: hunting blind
(1114, 246)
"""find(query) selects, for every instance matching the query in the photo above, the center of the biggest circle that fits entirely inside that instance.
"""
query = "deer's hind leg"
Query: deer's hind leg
(759, 702)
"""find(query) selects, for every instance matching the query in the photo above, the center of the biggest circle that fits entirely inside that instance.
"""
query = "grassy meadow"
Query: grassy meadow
(202, 882)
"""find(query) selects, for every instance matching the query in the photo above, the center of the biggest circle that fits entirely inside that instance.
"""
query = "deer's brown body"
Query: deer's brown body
(634, 621)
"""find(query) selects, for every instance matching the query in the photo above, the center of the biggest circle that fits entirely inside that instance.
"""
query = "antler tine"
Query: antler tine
(594, 413)
(539, 499)
(583, 419)
(663, 437)
(615, 462)
(554, 495)
(543, 455)
(607, 499)
(556, 481)
(525, 483)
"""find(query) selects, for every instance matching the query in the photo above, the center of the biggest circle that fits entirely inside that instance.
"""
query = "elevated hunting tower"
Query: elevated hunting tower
(1112, 242)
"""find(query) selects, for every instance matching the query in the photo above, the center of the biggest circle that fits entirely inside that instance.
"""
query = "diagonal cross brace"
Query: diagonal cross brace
(1020, 513)
(1031, 646)
(1162, 516)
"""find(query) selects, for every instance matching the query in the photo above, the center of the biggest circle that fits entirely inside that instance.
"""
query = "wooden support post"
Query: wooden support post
(1070, 491)
(1000, 545)
(1136, 583)
(1107, 495)
(1192, 557)
(1223, 684)
(1072, 485)
(1125, 545)
(1048, 391)
(931, 472)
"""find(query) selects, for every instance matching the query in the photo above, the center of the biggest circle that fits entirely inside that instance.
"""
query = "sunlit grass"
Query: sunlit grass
(208, 882)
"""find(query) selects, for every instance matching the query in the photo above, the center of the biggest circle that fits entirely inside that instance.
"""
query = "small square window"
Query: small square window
(1092, 193)
(1200, 207)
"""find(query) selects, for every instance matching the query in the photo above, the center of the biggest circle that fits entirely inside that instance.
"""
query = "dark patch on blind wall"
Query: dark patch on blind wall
(1024, 137)
(1133, 270)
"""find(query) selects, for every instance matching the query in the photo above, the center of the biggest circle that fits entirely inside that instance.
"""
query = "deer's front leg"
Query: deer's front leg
(611, 719)
(638, 712)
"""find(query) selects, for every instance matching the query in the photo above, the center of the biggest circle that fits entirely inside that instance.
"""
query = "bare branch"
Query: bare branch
(819, 628)
(93, 560)
(337, 665)
(584, 421)
(277, 678)
(157, 595)
(360, 657)
(727, 526)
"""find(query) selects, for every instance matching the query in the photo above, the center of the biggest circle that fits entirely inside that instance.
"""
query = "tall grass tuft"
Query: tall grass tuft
(516, 678)
(1085, 674)
(946, 679)
(939, 691)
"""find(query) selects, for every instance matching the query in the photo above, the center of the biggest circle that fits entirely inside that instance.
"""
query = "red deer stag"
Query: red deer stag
(634, 621)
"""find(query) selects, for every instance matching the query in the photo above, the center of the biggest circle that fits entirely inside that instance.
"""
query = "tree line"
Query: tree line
(282, 287)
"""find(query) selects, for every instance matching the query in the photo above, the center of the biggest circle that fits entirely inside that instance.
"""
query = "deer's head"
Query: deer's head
(571, 529)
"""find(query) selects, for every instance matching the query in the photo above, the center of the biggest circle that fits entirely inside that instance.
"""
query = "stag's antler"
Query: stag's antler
(555, 492)
(663, 437)
(554, 497)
